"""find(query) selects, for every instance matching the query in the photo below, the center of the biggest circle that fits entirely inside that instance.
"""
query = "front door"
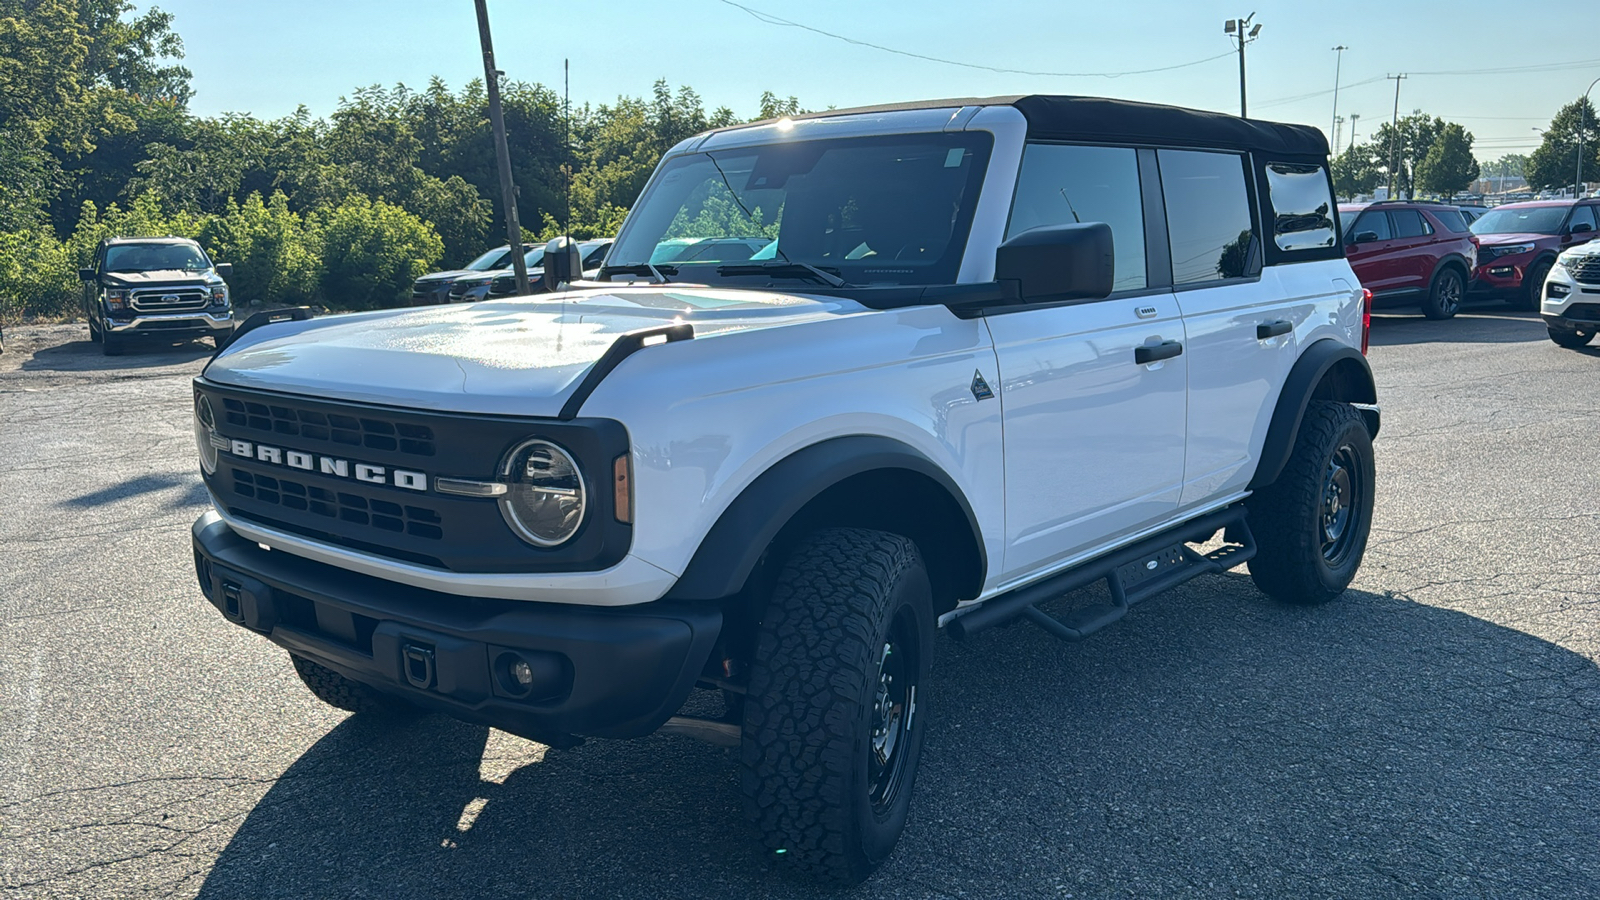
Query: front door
(1093, 394)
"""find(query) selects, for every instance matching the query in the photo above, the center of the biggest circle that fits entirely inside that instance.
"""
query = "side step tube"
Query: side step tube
(1166, 552)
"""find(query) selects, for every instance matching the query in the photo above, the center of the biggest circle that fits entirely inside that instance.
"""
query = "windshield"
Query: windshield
(892, 210)
(494, 259)
(155, 257)
(1527, 220)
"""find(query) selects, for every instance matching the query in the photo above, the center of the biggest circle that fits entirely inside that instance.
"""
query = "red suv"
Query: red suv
(1411, 253)
(1518, 243)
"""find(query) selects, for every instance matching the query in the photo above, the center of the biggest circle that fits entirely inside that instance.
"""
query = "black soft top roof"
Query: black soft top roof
(1129, 121)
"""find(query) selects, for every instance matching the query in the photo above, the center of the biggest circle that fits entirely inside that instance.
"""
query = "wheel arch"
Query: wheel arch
(1327, 370)
(854, 481)
(1455, 261)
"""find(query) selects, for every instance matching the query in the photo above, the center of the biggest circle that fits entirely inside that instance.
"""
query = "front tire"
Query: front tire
(1527, 296)
(1444, 297)
(1311, 524)
(340, 692)
(1571, 338)
(836, 708)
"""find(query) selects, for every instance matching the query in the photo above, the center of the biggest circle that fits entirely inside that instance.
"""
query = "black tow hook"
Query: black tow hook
(417, 661)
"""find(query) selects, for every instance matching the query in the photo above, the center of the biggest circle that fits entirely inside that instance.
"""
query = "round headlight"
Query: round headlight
(544, 502)
(205, 427)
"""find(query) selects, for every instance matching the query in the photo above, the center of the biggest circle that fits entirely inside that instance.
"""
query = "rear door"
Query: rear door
(1093, 394)
(1414, 249)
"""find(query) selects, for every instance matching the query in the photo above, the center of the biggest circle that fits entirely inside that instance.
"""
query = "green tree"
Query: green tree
(1448, 167)
(275, 254)
(1405, 145)
(1555, 163)
(372, 251)
(1356, 171)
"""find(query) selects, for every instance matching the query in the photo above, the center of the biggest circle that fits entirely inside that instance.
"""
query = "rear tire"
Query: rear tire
(835, 711)
(340, 692)
(1444, 296)
(1311, 524)
(1571, 338)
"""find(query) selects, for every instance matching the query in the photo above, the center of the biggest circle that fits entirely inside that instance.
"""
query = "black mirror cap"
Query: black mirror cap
(85, 274)
(224, 270)
(563, 264)
(1366, 237)
(1058, 262)
(1581, 228)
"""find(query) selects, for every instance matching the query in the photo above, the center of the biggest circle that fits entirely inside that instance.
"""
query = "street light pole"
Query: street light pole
(1354, 117)
(1338, 64)
(502, 155)
(1577, 187)
(1240, 28)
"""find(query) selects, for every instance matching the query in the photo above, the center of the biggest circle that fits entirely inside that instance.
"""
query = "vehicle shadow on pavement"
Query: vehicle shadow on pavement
(1215, 744)
(194, 493)
(1488, 323)
(85, 356)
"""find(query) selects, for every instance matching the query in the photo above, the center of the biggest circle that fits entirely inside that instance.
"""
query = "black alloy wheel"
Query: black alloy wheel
(1444, 297)
(1344, 492)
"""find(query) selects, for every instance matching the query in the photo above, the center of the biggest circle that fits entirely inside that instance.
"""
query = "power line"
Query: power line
(770, 19)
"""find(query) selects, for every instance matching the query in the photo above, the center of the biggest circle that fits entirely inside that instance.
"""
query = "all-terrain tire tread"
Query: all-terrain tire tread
(815, 648)
(340, 692)
(1288, 553)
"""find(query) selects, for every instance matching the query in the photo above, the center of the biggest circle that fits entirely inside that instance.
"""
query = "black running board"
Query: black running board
(1133, 575)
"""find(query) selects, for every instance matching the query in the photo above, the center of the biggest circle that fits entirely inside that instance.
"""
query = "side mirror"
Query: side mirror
(85, 274)
(1366, 237)
(224, 270)
(1581, 227)
(1058, 262)
(563, 264)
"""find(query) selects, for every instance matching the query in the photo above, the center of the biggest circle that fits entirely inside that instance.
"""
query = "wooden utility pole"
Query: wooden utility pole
(1394, 132)
(502, 155)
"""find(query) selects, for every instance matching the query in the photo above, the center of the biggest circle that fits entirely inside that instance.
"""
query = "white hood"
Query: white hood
(519, 356)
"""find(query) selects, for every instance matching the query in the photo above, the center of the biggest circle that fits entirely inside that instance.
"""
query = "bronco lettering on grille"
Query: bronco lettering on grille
(328, 465)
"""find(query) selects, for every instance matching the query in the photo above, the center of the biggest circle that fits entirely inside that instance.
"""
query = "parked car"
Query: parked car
(155, 287)
(1570, 305)
(1410, 252)
(1518, 243)
(1472, 213)
(435, 287)
(964, 385)
(502, 281)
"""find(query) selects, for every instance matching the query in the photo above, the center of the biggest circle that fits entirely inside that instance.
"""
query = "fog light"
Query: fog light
(523, 673)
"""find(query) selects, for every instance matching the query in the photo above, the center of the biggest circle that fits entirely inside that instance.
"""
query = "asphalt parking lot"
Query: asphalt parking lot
(1434, 733)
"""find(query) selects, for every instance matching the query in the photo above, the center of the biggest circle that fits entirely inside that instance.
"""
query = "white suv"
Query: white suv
(1570, 302)
(983, 352)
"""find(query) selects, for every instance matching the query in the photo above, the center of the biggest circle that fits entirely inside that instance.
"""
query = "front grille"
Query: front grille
(1586, 270)
(459, 289)
(333, 428)
(167, 300)
(357, 509)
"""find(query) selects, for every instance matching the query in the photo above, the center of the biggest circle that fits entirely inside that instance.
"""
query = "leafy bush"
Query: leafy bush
(372, 251)
(276, 256)
(38, 275)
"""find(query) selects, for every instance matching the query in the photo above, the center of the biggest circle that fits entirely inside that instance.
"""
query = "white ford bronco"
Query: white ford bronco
(930, 365)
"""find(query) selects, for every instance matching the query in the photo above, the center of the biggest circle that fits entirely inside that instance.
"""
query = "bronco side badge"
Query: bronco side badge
(980, 388)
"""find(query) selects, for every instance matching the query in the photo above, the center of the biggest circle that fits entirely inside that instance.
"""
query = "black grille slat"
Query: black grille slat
(356, 509)
(349, 431)
(1587, 271)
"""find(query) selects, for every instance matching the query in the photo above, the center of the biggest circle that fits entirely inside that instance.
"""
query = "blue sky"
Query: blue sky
(267, 58)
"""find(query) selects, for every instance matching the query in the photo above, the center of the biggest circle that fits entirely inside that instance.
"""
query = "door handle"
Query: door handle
(1150, 353)
(1272, 329)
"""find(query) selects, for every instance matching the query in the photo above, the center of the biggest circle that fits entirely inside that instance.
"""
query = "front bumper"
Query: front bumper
(1567, 303)
(596, 671)
(202, 324)
(1499, 276)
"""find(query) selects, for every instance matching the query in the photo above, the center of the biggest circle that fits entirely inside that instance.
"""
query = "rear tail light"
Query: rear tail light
(1366, 319)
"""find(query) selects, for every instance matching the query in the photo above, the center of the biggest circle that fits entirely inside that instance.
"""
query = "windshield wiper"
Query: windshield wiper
(659, 273)
(785, 269)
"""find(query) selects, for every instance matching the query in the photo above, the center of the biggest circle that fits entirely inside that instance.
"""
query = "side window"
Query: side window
(1302, 207)
(1451, 219)
(1408, 223)
(1208, 215)
(1373, 222)
(1061, 184)
(1583, 215)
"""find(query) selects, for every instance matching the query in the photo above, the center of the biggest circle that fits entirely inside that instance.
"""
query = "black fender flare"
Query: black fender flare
(1455, 259)
(733, 547)
(1299, 389)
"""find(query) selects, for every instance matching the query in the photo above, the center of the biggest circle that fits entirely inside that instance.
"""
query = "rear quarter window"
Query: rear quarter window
(1451, 220)
(1302, 206)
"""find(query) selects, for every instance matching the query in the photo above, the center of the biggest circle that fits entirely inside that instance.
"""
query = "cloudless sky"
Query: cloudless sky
(266, 58)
